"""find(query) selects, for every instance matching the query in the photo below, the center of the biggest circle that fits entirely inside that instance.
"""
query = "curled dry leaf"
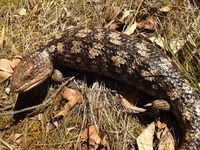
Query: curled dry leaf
(74, 97)
(145, 139)
(6, 68)
(95, 139)
(166, 140)
(150, 23)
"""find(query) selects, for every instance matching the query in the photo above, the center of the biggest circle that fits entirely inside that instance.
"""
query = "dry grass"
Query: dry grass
(24, 33)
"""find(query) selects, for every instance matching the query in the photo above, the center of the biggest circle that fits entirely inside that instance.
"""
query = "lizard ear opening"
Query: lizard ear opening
(31, 71)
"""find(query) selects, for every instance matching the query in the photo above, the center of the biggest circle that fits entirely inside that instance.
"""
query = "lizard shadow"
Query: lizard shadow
(30, 98)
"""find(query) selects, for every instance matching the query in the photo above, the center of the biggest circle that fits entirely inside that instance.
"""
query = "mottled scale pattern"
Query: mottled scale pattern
(133, 61)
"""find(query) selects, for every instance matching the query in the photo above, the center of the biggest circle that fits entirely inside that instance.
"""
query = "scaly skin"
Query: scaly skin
(122, 57)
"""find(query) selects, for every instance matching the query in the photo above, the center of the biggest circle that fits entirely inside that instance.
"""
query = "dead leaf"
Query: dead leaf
(15, 61)
(4, 76)
(74, 97)
(145, 139)
(161, 125)
(71, 94)
(95, 139)
(5, 65)
(158, 40)
(6, 68)
(150, 23)
(165, 9)
(176, 45)
(166, 140)
(130, 106)
(91, 134)
(130, 29)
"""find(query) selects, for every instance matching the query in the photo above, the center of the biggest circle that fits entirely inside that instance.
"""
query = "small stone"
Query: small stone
(7, 90)
(57, 76)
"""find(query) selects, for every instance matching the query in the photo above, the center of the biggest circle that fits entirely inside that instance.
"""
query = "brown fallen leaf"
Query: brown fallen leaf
(5, 65)
(15, 61)
(150, 23)
(166, 140)
(6, 68)
(130, 106)
(4, 76)
(74, 97)
(145, 139)
(91, 134)
(95, 139)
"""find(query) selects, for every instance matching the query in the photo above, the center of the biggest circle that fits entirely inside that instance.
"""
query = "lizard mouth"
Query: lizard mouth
(25, 87)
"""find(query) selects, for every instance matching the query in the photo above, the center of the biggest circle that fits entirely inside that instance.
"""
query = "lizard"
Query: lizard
(126, 58)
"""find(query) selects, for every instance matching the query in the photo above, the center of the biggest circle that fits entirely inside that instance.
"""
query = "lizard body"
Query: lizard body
(122, 57)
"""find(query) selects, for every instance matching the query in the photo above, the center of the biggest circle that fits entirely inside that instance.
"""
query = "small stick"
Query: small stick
(6, 144)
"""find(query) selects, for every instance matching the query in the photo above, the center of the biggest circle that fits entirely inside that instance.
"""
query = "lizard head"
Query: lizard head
(32, 70)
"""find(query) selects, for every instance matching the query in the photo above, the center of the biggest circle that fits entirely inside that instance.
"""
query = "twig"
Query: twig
(6, 144)
(46, 103)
